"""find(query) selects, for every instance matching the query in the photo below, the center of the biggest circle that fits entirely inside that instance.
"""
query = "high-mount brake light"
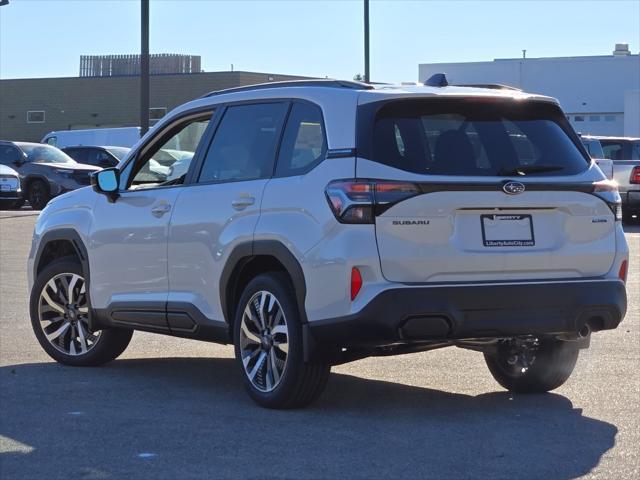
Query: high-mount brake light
(608, 191)
(635, 175)
(358, 201)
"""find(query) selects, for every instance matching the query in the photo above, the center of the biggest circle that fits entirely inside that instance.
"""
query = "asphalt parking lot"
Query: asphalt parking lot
(172, 408)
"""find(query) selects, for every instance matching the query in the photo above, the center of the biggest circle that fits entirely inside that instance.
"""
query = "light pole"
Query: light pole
(366, 41)
(144, 66)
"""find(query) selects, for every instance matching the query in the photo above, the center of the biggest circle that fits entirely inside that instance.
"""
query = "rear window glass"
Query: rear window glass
(621, 149)
(475, 138)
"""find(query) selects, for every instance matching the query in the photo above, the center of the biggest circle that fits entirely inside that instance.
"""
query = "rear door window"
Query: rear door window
(613, 150)
(244, 145)
(463, 137)
(80, 155)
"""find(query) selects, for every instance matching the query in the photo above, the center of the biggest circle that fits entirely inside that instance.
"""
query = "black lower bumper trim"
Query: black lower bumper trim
(486, 310)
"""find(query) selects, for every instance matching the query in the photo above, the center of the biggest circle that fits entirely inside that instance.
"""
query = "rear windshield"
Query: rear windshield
(472, 137)
(621, 149)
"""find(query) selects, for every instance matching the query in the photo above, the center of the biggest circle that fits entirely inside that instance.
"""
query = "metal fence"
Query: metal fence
(121, 65)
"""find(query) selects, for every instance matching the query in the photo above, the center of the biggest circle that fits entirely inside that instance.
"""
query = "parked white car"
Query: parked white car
(10, 190)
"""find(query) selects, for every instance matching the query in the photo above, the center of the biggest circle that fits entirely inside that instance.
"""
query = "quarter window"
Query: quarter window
(303, 144)
(244, 145)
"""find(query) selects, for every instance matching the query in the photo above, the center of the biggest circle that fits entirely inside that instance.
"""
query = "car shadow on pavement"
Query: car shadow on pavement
(190, 418)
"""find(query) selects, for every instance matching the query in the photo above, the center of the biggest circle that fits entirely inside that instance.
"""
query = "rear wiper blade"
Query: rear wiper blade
(527, 169)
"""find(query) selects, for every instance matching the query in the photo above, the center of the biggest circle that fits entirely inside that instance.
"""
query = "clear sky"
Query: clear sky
(45, 38)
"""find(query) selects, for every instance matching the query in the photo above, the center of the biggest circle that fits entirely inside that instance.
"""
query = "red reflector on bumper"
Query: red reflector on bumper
(356, 282)
(622, 273)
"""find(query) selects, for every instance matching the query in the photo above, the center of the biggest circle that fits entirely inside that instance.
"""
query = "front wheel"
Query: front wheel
(60, 318)
(38, 194)
(268, 346)
(532, 365)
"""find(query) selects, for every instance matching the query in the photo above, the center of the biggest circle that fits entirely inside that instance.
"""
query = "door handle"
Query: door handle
(160, 210)
(243, 202)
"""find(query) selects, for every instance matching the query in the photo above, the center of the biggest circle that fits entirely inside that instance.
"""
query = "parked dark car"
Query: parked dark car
(45, 171)
(103, 157)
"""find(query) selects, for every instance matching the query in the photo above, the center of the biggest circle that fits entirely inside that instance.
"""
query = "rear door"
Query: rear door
(220, 209)
(498, 190)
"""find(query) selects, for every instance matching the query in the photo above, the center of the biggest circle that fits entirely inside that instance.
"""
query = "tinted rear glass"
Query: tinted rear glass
(621, 149)
(471, 137)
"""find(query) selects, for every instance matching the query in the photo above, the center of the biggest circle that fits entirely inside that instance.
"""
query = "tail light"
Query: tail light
(358, 201)
(635, 175)
(608, 191)
(622, 273)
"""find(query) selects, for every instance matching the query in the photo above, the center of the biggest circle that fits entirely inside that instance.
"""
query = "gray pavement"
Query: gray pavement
(172, 408)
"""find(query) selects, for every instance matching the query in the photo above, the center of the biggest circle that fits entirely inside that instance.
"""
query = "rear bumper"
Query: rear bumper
(485, 310)
(631, 200)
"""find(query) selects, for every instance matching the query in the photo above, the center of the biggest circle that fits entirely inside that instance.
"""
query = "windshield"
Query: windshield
(119, 152)
(45, 154)
(474, 138)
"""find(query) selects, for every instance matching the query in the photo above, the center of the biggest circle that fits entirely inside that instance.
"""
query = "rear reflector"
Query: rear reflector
(622, 273)
(635, 175)
(356, 283)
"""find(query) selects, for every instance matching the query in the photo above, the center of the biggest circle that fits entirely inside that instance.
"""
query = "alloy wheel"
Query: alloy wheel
(63, 313)
(264, 338)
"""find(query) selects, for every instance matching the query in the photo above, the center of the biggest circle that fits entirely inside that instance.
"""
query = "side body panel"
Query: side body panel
(128, 247)
(205, 228)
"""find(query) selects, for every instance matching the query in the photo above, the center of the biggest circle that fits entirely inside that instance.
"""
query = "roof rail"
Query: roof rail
(492, 86)
(294, 83)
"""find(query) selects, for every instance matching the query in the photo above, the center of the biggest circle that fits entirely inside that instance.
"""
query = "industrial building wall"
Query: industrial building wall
(94, 102)
(591, 90)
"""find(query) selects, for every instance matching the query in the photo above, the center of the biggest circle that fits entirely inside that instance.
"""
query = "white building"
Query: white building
(600, 94)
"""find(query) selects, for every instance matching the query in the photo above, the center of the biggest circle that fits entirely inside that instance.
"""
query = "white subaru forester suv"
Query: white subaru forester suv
(313, 223)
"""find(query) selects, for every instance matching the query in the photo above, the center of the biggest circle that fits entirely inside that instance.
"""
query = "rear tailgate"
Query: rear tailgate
(482, 235)
(502, 191)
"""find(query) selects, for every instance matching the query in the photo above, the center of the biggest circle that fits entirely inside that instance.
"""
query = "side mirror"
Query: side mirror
(18, 162)
(107, 182)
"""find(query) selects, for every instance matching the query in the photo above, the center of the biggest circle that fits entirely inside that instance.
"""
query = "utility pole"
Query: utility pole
(144, 66)
(366, 41)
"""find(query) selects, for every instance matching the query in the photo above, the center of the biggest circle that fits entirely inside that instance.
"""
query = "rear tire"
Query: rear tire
(38, 194)
(268, 346)
(59, 310)
(552, 365)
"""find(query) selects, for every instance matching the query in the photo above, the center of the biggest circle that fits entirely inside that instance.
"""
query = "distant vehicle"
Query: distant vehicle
(103, 157)
(594, 148)
(625, 153)
(10, 191)
(118, 137)
(45, 171)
